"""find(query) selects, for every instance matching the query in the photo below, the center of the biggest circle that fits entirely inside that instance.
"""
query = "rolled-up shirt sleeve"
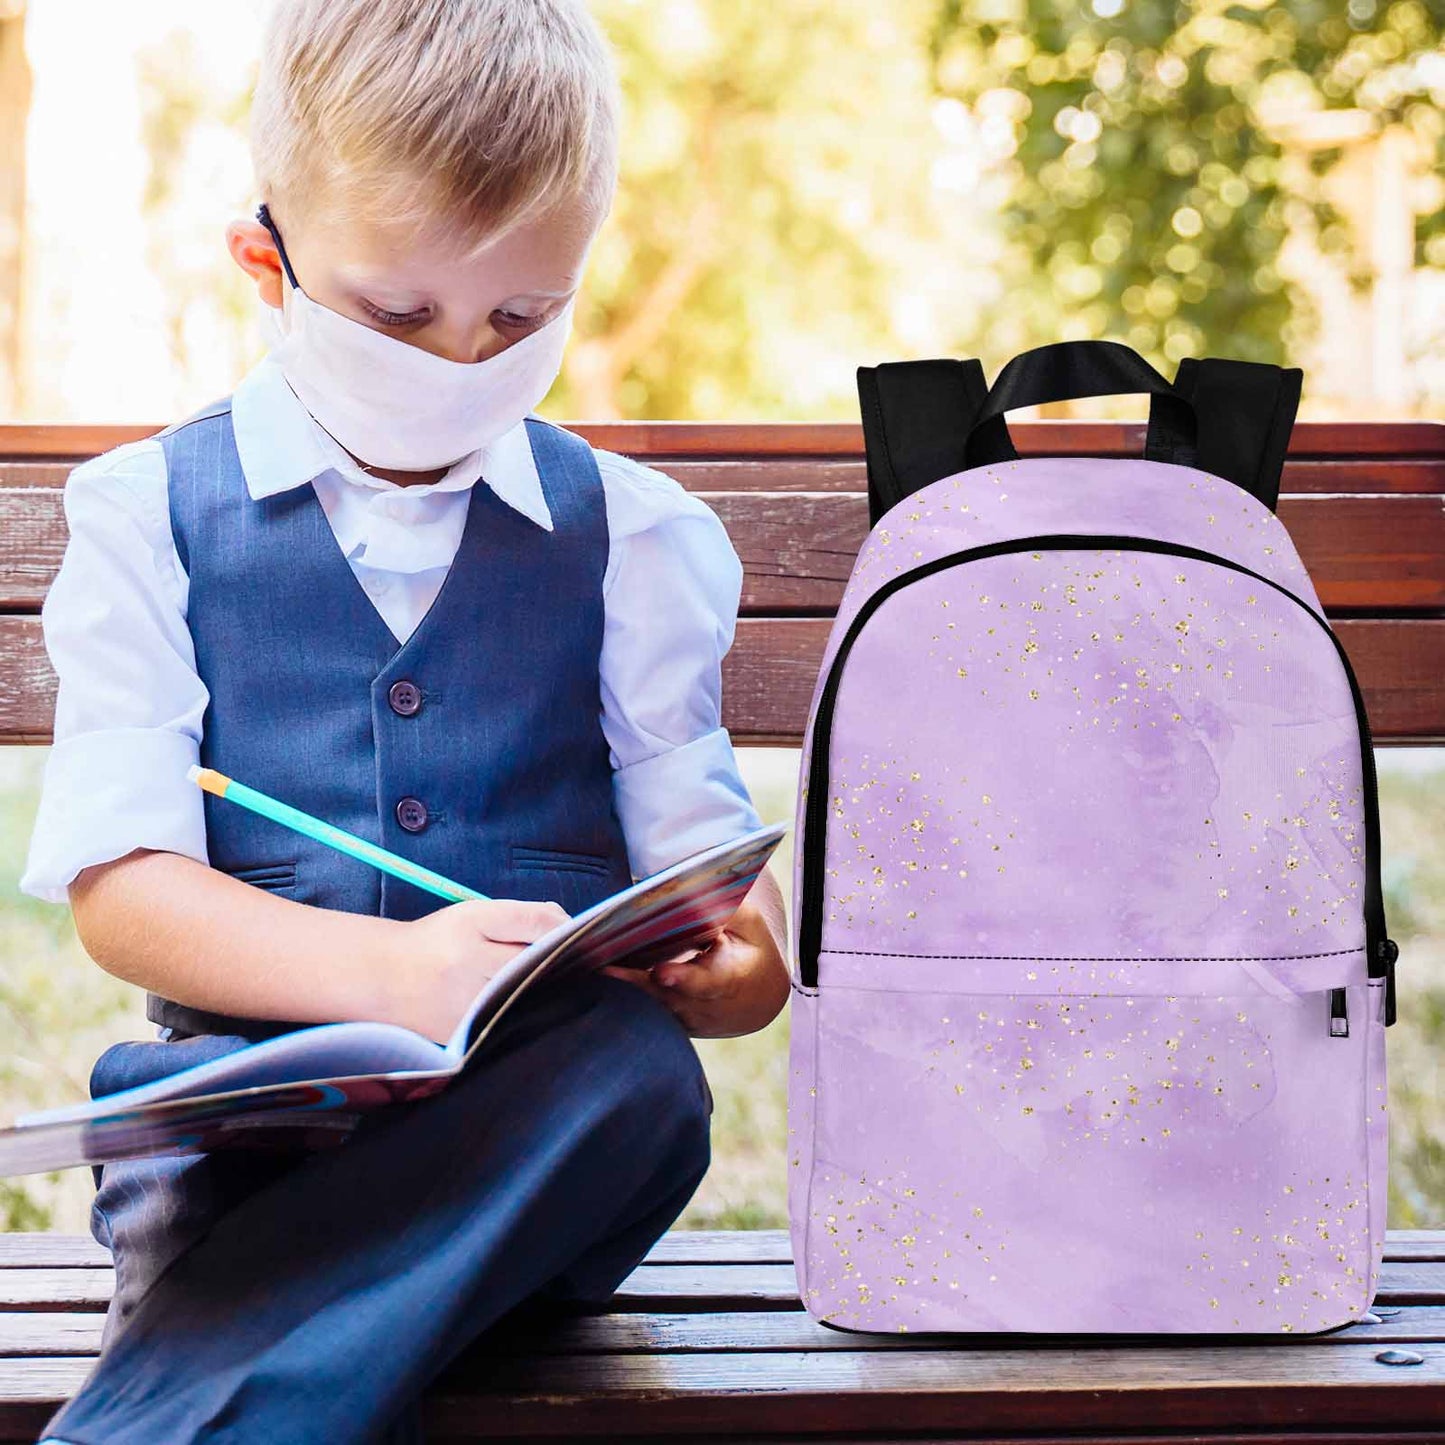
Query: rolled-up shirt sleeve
(130, 704)
(671, 590)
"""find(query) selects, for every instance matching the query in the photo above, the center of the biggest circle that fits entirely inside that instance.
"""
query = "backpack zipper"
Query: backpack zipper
(1380, 950)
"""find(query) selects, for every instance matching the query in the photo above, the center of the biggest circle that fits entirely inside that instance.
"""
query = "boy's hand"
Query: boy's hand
(736, 986)
(452, 952)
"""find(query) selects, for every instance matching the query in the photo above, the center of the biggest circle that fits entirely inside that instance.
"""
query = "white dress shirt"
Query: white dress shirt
(130, 703)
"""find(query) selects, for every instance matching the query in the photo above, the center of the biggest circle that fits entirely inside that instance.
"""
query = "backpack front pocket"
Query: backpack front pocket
(1087, 1145)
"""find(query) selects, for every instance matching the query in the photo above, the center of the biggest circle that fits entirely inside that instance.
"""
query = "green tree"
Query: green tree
(1147, 199)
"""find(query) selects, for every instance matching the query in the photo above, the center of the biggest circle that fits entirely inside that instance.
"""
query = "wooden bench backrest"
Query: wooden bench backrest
(1364, 502)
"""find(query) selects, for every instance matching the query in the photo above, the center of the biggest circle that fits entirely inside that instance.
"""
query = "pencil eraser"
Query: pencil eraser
(194, 773)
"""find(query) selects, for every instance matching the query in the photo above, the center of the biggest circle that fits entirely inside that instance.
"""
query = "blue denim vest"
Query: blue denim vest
(475, 748)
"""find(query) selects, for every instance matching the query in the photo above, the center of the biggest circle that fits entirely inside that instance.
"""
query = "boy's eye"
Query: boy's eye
(393, 318)
(515, 318)
(410, 318)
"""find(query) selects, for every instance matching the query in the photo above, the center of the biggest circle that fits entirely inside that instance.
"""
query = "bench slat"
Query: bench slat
(1384, 553)
(759, 1330)
(39, 1250)
(722, 1331)
(64, 1332)
(1415, 1244)
(650, 1287)
(1302, 474)
(1054, 436)
(960, 1389)
(1378, 553)
(804, 1393)
(42, 1250)
(770, 672)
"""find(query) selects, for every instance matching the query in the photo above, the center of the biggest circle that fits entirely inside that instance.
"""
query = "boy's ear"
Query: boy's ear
(253, 250)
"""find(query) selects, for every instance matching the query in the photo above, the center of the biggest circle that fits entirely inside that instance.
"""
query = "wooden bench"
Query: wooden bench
(707, 1337)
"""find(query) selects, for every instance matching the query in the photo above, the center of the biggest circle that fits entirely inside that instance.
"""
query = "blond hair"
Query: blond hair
(467, 116)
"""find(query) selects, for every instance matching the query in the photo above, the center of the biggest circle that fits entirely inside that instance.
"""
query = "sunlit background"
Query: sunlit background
(807, 186)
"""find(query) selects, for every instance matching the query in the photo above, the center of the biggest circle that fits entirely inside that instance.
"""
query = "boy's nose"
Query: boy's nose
(476, 346)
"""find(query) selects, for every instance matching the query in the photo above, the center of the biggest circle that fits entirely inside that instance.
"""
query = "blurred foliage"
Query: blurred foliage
(58, 1011)
(1413, 847)
(1146, 201)
(765, 210)
(865, 183)
(746, 1187)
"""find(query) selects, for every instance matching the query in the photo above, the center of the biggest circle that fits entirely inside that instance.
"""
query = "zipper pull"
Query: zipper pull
(1388, 951)
(1339, 1019)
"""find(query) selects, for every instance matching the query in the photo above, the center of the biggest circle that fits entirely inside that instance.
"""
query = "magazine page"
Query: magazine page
(674, 911)
(325, 1052)
(304, 1116)
(271, 1089)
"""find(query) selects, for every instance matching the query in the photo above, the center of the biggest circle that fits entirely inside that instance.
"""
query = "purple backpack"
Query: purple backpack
(1092, 973)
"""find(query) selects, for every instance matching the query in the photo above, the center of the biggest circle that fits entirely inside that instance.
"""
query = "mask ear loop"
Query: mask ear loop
(263, 215)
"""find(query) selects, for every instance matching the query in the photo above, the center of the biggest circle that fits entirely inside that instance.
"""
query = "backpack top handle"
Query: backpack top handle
(1067, 370)
(923, 420)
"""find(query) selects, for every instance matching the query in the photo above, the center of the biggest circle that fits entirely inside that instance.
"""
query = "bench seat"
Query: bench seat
(707, 1339)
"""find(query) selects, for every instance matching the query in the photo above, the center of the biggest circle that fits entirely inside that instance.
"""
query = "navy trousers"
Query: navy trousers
(309, 1298)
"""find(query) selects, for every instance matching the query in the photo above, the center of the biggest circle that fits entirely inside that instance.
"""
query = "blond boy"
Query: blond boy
(373, 583)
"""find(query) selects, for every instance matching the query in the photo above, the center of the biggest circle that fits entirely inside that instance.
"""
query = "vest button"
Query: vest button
(411, 814)
(405, 698)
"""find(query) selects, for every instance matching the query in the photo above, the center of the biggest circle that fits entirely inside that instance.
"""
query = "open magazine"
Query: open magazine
(309, 1088)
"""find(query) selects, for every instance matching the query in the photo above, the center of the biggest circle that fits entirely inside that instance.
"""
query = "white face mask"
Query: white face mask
(394, 405)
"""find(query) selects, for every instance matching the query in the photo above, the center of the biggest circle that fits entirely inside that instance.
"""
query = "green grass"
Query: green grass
(58, 1011)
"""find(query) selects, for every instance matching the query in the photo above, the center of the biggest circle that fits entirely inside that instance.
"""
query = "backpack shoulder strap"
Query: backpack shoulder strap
(1245, 412)
(916, 419)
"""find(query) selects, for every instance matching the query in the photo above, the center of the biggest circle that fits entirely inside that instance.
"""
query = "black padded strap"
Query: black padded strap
(1246, 411)
(916, 419)
(923, 420)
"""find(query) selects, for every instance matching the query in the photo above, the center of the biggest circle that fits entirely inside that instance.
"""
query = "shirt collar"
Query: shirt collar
(281, 445)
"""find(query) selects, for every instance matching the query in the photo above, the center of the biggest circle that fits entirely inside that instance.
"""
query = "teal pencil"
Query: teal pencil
(333, 837)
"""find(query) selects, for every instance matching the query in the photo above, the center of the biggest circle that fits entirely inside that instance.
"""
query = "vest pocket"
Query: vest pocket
(277, 877)
(555, 859)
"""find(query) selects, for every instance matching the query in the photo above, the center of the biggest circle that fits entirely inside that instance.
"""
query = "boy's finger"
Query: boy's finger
(708, 975)
(521, 922)
(681, 956)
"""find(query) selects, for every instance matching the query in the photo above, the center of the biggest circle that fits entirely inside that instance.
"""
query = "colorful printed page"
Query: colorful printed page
(679, 910)
(308, 1089)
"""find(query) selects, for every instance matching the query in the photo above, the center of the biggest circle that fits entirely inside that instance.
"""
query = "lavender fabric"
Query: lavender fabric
(1093, 860)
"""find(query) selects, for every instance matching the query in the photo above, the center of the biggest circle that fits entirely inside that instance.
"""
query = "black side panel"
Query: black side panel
(1246, 411)
(916, 419)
